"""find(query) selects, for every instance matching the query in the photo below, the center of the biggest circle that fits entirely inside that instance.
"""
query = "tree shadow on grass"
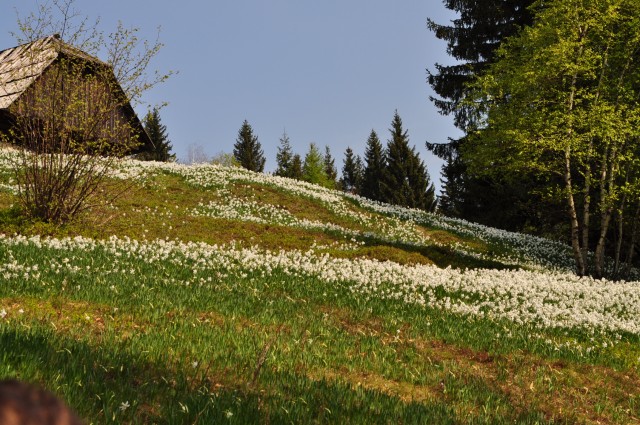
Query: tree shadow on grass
(442, 256)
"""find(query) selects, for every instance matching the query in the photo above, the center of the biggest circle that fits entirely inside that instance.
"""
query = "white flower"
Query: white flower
(3, 313)
(124, 405)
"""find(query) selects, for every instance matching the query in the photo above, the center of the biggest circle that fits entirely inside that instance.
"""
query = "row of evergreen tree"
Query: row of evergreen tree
(394, 174)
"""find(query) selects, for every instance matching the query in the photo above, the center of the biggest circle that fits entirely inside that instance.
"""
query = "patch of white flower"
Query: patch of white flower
(399, 224)
(551, 299)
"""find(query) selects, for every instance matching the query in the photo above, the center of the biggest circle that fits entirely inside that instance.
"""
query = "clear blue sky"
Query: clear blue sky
(326, 71)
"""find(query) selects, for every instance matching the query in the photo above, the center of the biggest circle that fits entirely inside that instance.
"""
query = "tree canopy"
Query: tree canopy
(284, 157)
(472, 40)
(562, 100)
(247, 149)
(405, 178)
(158, 134)
(314, 169)
(374, 168)
(352, 172)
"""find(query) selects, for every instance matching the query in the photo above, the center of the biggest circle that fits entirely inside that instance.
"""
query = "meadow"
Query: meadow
(207, 294)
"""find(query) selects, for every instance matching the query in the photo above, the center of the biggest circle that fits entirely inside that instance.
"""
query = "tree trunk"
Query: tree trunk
(632, 242)
(581, 269)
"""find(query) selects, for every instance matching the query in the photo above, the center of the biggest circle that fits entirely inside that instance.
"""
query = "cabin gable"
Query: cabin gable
(48, 78)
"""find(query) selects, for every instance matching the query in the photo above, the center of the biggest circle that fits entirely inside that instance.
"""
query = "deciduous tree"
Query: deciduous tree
(472, 39)
(562, 100)
(69, 126)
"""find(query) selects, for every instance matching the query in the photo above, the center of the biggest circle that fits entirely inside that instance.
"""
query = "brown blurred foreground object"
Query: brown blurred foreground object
(24, 404)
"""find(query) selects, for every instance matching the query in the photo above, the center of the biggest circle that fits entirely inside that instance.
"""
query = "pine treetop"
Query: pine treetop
(247, 149)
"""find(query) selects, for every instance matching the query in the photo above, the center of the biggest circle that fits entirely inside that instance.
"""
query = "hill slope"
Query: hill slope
(209, 294)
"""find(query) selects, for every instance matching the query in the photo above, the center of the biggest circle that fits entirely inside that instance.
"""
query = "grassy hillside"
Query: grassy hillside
(216, 295)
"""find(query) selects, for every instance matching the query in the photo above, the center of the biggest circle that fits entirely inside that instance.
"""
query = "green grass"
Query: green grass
(105, 331)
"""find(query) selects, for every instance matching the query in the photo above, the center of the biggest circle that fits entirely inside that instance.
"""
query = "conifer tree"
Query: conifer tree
(405, 179)
(284, 157)
(248, 150)
(351, 172)
(359, 172)
(296, 168)
(374, 168)
(330, 168)
(313, 168)
(472, 40)
(158, 134)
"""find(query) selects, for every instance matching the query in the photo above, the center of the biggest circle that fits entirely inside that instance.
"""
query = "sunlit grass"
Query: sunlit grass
(181, 335)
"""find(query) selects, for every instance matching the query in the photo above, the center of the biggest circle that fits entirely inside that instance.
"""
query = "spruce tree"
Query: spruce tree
(405, 179)
(351, 172)
(472, 40)
(284, 157)
(359, 174)
(158, 134)
(330, 168)
(296, 168)
(375, 164)
(247, 149)
(313, 169)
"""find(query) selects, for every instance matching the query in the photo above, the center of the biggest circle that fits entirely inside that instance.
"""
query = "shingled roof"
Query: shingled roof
(22, 65)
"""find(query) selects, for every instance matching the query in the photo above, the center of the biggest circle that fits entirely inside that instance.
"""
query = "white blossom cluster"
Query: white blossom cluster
(550, 297)
(399, 224)
(539, 299)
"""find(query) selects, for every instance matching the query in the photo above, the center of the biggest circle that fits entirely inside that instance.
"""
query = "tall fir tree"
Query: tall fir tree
(375, 164)
(248, 150)
(296, 171)
(313, 168)
(158, 134)
(405, 178)
(330, 168)
(359, 174)
(284, 157)
(352, 172)
(472, 40)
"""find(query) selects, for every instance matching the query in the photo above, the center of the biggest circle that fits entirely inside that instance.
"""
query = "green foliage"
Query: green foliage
(284, 157)
(330, 168)
(374, 168)
(158, 134)
(296, 171)
(247, 149)
(225, 159)
(352, 172)
(562, 100)
(126, 330)
(472, 40)
(405, 178)
(314, 167)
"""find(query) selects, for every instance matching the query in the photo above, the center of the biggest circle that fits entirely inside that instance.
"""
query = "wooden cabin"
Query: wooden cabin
(49, 84)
